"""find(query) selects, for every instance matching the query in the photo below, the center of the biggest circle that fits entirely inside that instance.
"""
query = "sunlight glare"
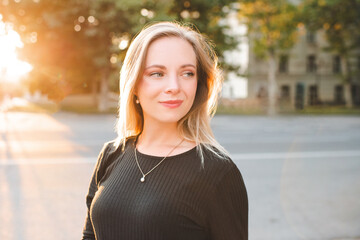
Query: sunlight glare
(11, 68)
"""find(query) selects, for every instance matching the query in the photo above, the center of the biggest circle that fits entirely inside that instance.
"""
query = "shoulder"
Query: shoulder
(224, 178)
(219, 165)
(115, 147)
(215, 159)
(108, 155)
(109, 147)
(227, 210)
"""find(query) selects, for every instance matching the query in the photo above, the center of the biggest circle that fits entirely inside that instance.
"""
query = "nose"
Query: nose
(172, 84)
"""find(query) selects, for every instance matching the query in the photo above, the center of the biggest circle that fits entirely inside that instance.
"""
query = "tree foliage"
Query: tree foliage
(272, 27)
(272, 24)
(340, 20)
(73, 44)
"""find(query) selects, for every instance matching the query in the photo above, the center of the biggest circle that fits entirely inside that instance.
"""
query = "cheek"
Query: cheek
(146, 89)
(191, 89)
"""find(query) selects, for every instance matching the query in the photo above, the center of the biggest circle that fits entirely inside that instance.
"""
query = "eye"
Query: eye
(156, 74)
(188, 74)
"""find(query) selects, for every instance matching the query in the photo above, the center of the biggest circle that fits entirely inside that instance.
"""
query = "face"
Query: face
(168, 85)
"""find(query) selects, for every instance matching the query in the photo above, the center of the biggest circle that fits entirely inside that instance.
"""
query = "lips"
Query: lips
(171, 103)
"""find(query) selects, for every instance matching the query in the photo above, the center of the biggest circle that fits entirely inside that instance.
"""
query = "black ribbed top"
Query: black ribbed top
(180, 199)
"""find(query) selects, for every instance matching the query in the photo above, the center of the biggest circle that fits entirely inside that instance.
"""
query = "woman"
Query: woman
(165, 176)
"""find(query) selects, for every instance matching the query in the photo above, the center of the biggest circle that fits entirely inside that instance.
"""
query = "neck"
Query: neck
(163, 134)
(158, 139)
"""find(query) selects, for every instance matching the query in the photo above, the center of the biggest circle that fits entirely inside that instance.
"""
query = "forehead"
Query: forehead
(170, 50)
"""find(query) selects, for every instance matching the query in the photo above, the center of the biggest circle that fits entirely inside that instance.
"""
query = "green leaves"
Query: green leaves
(80, 39)
(272, 24)
(339, 19)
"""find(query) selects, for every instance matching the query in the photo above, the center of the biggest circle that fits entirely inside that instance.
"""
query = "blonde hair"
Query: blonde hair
(195, 125)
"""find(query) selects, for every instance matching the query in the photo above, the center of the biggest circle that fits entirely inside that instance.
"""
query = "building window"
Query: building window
(299, 96)
(313, 95)
(339, 94)
(311, 64)
(285, 92)
(283, 64)
(336, 64)
(310, 37)
(262, 93)
(355, 94)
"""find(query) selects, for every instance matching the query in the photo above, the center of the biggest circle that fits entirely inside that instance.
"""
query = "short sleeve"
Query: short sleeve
(228, 208)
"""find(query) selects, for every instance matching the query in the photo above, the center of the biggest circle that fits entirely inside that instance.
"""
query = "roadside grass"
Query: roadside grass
(327, 110)
(86, 104)
(310, 110)
(52, 108)
(80, 103)
(87, 109)
(33, 108)
(221, 109)
(233, 110)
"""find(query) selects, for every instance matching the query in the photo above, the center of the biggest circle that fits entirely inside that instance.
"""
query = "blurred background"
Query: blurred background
(288, 113)
(277, 56)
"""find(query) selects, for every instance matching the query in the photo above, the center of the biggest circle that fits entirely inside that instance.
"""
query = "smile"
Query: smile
(171, 103)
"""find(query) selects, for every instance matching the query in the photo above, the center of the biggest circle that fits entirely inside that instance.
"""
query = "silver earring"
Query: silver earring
(137, 101)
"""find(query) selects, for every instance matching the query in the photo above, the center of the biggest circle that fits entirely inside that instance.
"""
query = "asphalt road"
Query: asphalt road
(302, 173)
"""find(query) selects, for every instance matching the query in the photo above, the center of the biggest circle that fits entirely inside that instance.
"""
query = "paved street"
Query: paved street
(302, 173)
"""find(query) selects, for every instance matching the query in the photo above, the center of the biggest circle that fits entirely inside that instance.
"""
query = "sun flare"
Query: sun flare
(11, 68)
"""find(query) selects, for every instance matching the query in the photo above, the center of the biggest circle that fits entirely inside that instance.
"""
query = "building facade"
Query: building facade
(306, 74)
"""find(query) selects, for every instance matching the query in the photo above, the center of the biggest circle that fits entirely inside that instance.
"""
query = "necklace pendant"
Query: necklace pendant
(142, 179)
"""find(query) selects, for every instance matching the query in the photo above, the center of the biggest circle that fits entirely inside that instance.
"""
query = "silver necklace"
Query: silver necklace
(144, 174)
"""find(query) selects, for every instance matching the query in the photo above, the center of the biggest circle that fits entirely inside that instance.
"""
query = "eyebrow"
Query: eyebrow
(163, 67)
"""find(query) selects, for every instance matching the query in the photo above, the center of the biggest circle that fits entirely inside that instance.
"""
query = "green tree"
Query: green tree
(272, 26)
(70, 43)
(78, 45)
(340, 20)
(50, 43)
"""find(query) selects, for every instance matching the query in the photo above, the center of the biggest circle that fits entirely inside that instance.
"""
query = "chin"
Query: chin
(166, 116)
(170, 118)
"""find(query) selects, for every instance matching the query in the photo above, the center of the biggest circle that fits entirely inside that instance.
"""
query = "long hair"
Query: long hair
(195, 125)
